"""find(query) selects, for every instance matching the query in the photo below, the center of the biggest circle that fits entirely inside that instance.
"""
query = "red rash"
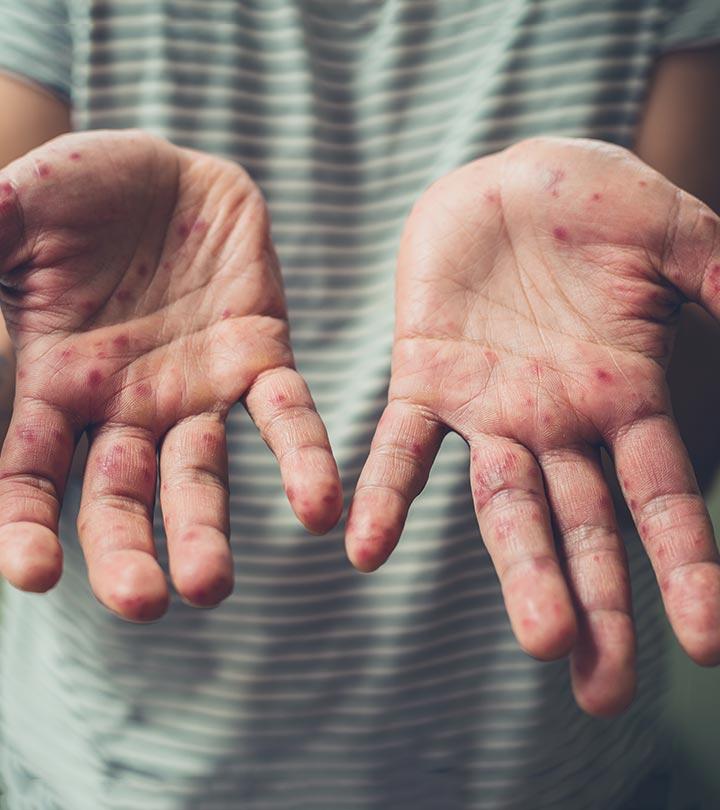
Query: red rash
(278, 399)
(94, 378)
(75, 156)
(560, 233)
(27, 435)
(44, 170)
(225, 314)
(183, 231)
(596, 197)
(211, 443)
(603, 376)
(121, 341)
(143, 390)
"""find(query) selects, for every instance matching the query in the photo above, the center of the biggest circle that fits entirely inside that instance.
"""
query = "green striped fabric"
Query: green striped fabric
(313, 686)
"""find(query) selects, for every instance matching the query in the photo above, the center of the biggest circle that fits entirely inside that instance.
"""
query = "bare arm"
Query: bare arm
(679, 136)
(30, 117)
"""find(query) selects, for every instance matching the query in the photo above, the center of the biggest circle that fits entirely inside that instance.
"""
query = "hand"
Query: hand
(537, 294)
(144, 299)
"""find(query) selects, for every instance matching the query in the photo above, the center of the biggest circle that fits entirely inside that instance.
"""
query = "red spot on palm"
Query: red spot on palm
(88, 306)
(75, 156)
(596, 197)
(183, 230)
(642, 183)
(121, 341)
(490, 356)
(226, 313)
(44, 170)
(95, 377)
(142, 270)
(143, 390)
(278, 399)
(560, 233)
(603, 376)
(123, 295)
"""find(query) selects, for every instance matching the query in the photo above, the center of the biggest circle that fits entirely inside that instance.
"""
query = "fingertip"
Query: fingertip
(364, 558)
(603, 703)
(318, 506)
(206, 576)
(31, 557)
(548, 639)
(131, 584)
(369, 546)
(602, 665)
(692, 595)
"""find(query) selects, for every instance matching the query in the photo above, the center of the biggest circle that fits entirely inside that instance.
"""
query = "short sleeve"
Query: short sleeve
(36, 43)
(690, 24)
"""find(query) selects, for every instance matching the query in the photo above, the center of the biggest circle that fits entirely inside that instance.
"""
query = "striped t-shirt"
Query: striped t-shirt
(314, 686)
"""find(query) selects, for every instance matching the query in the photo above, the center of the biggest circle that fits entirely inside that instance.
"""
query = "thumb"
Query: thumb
(690, 258)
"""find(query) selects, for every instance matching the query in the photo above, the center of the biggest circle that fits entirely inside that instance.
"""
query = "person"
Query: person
(539, 283)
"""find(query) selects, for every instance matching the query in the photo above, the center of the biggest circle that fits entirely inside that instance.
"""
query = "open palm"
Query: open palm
(144, 299)
(537, 295)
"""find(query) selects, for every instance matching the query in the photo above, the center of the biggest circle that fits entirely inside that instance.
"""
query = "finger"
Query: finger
(35, 461)
(281, 406)
(403, 449)
(659, 486)
(115, 523)
(195, 505)
(593, 553)
(513, 517)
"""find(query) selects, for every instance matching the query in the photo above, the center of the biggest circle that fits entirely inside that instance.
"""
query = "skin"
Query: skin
(538, 293)
(596, 626)
(37, 117)
(141, 318)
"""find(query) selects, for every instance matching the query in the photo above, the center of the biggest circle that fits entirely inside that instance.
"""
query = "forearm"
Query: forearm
(678, 136)
(30, 117)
